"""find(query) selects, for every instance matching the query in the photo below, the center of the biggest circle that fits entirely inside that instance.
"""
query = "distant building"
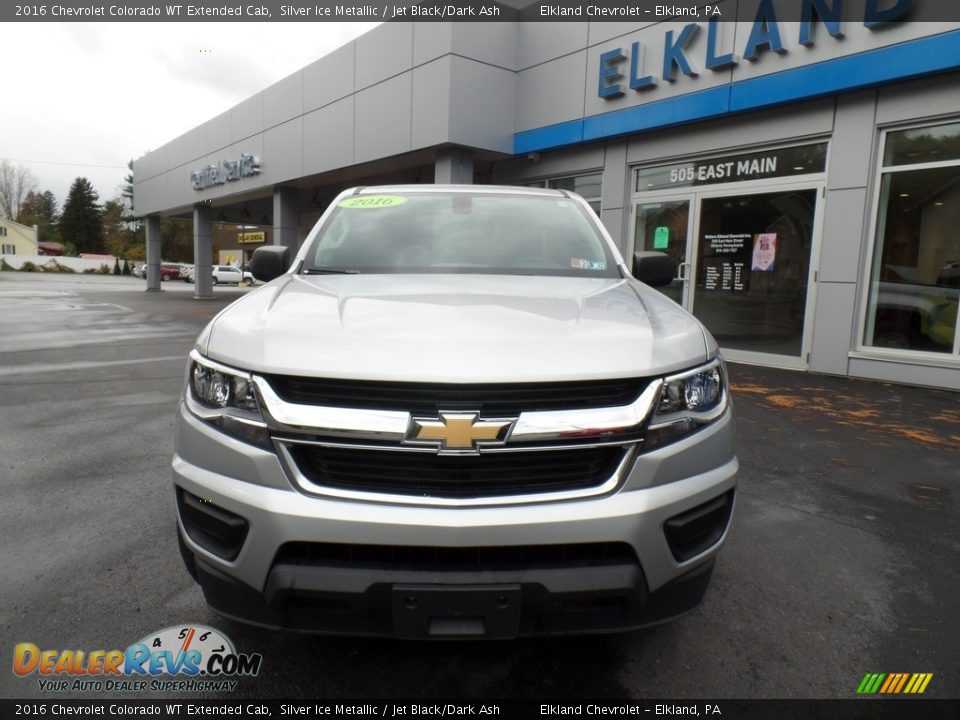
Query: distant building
(50, 248)
(17, 239)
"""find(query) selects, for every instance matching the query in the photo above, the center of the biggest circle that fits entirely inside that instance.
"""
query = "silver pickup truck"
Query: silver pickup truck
(454, 414)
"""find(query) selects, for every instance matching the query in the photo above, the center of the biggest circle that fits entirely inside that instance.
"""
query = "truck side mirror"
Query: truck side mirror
(656, 269)
(269, 262)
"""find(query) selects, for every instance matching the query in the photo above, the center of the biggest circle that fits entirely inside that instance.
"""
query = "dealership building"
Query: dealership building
(801, 165)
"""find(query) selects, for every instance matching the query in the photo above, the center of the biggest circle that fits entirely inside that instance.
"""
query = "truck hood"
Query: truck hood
(455, 328)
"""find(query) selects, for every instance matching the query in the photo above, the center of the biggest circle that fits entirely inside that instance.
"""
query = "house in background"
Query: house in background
(17, 239)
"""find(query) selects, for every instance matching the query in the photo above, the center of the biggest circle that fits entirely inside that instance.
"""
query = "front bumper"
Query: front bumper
(637, 578)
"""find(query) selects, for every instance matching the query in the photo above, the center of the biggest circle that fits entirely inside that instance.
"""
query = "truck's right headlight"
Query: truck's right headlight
(225, 398)
(688, 401)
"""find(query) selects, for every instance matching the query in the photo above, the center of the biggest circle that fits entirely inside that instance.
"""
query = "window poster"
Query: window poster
(764, 252)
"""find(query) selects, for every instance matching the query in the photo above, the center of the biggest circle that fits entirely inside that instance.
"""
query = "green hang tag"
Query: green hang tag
(661, 238)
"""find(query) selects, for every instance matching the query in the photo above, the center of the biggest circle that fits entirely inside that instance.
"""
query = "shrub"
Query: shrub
(30, 267)
(56, 267)
(126, 267)
(90, 271)
(4, 265)
(116, 266)
(104, 269)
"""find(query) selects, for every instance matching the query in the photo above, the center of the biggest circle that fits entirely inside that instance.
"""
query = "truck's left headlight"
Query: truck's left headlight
(225, 398)
(687, 402)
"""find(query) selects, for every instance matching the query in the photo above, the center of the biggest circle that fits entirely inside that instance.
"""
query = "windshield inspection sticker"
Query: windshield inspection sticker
(372, 201)
(587, 264)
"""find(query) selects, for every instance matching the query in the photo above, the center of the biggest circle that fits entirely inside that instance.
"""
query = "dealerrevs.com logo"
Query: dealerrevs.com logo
(186, 658)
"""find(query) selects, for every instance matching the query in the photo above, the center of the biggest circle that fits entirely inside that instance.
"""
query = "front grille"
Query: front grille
(501, 400)
(457, 476)
(456, 559)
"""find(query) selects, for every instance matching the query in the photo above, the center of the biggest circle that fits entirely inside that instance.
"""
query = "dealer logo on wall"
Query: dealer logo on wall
(182, 658)
(224, 172)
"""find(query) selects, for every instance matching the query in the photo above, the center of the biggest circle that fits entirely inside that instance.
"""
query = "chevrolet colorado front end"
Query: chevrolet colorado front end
(455, 413)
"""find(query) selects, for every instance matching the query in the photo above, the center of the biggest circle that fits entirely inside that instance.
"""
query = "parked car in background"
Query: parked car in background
(915, 315)
(186, 272)
(169, 271)
(230, 274)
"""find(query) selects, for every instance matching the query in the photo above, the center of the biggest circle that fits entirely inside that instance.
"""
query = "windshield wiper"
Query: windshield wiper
(329, 271)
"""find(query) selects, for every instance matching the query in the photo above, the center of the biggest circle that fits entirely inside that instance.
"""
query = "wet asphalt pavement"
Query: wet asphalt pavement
(844, 556)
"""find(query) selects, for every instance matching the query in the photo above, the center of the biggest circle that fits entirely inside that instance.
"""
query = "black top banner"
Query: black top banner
(180, 707)
(640, 11)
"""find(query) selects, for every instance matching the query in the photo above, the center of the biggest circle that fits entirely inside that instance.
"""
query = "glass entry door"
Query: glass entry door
(743, 264)
(752, 269)
(663, 226)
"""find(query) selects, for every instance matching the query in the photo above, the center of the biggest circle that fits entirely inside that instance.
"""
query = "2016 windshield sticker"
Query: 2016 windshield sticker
(587, 264)
(372, 201)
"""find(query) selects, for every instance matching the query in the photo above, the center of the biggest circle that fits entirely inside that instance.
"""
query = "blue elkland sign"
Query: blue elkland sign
(697, 45)
(765, 36)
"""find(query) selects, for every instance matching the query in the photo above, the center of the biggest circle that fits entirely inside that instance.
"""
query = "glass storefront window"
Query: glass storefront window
(915, 275)
(586, 186)
(923, 145)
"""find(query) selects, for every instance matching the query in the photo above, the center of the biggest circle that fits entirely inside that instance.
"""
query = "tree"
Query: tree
(127, 190)
(81, 222)
(40, 209)
(137, 246)
(15, 184)
(116, 233)
(177, 238)
(176, 233)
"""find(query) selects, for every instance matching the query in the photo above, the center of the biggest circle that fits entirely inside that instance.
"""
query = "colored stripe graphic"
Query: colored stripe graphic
(870, 683)
(894, 683)
(903, 679)
(922, 680)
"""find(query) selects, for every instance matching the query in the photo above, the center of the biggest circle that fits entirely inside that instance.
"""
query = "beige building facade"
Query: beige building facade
(17, 239)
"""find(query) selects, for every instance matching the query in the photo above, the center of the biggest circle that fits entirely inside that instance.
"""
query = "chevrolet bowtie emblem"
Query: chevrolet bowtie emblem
(458, 431)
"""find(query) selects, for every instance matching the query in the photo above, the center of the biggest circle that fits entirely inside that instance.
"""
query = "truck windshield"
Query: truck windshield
(460, 233)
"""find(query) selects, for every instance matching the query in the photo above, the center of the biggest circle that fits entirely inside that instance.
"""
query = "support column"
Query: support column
(154, 252)
(202, 251)
(286, 218)
(454, 166)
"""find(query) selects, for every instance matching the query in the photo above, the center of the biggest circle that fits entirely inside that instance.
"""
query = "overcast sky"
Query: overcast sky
(82, 99)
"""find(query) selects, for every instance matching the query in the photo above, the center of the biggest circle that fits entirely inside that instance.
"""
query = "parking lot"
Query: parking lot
(844, 556)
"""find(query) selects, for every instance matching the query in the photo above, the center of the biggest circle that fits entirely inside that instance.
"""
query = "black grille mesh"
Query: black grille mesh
(455, 559)
(457, 476)
(489, 400)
